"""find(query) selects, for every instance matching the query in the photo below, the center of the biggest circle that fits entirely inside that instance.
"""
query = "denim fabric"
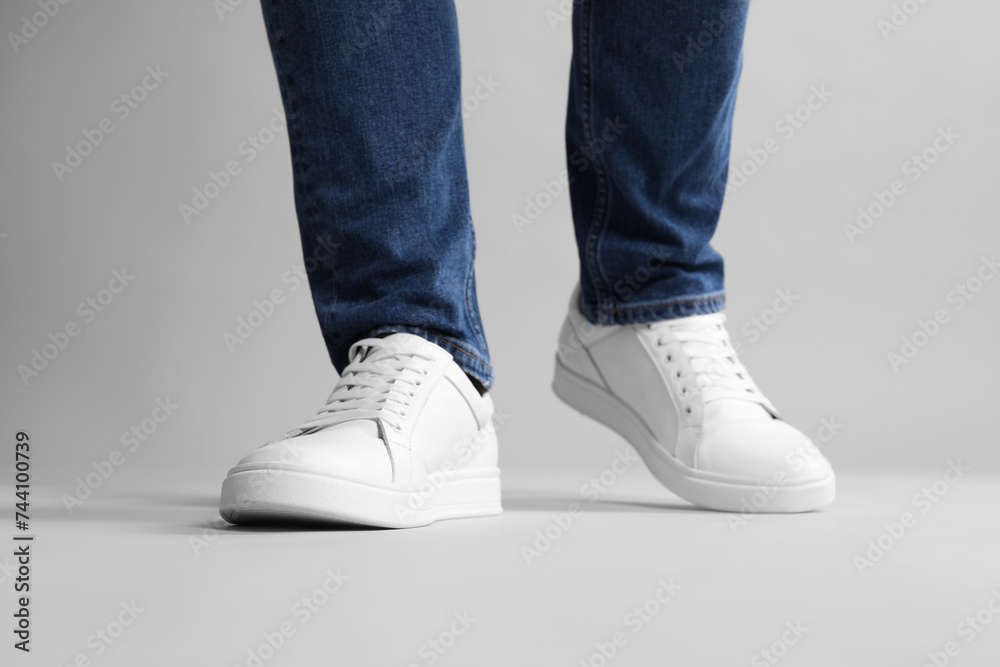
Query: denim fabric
(371, 92)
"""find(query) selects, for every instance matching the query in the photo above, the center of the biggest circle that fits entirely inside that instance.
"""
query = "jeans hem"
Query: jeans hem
(468, 360)
(642, 313)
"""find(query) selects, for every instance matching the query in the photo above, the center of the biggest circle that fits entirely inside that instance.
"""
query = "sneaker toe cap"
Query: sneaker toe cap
(766, 451)
(348, 450)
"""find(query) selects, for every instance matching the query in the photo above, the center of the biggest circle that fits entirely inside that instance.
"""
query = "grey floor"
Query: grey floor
(205, 593)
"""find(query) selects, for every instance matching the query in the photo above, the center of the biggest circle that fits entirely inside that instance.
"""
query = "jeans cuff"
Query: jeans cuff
(642, 313)
(468, 360)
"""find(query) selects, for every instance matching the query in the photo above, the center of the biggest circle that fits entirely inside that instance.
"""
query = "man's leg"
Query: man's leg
(644, 348)
(652, 92)
(371, 91)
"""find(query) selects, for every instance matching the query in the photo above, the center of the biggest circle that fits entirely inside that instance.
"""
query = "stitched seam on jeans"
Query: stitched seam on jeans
(664, 304)
(469, 310)
(598, 218)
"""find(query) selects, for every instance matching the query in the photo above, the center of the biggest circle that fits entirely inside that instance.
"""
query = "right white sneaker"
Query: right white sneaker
(405, 439)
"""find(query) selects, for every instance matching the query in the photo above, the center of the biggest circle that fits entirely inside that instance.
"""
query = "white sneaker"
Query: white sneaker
(676, 391)
(405, 439)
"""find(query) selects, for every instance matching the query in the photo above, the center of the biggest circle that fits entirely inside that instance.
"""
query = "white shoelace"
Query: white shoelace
(379, 383)
(717, 370)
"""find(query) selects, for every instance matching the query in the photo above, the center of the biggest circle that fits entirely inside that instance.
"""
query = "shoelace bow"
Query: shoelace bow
(717, 370)
(379, 383)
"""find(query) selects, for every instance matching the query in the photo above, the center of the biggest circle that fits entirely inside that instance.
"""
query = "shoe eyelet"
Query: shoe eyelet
(670, 357)
(684, 390)
(677, 374)
(687, 410)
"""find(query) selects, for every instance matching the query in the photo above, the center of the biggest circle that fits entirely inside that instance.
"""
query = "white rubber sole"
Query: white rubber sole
(289, 496)
(705, 489)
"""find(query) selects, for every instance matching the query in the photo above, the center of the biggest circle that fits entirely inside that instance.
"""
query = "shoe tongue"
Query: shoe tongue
(359, 427)
(735, 410)
(404, 343)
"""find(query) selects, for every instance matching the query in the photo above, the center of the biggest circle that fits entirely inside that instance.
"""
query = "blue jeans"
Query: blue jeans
(371, 92)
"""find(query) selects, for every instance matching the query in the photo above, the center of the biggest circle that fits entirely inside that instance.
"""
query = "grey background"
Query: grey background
(826, 358)
(163, 336)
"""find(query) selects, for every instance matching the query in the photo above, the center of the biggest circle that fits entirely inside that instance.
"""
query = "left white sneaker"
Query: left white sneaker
(677, 392)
